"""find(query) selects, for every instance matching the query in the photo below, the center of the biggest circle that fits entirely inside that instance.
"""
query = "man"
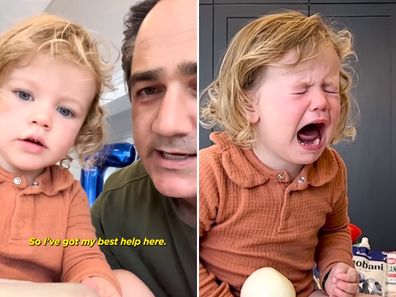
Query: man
(155, 198)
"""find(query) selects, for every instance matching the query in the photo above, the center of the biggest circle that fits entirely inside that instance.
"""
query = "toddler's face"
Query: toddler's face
(43, 105)
(297, 110)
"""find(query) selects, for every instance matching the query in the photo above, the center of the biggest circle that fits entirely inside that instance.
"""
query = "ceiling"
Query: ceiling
(15, 10)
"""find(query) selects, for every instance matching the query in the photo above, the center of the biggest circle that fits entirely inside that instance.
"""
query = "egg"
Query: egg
(267, 282)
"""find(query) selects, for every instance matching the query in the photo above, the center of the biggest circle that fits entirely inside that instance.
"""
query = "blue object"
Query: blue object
(113, 155)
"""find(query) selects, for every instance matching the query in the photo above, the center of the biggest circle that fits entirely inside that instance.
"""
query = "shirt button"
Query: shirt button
(301, 180)
(280, 176)
(17, 180)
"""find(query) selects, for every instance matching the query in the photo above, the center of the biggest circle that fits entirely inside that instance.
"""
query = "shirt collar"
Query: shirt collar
(50, 182)
(246, 170)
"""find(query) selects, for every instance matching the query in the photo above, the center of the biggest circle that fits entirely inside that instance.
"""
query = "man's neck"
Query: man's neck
(186, 209)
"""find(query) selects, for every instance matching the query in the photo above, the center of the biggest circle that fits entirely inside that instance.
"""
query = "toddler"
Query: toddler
(51, 77)
(272, 190)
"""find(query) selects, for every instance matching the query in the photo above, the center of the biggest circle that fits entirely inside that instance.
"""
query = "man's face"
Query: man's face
(163, 91)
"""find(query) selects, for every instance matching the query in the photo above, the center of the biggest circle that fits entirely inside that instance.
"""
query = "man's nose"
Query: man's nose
(176, 115)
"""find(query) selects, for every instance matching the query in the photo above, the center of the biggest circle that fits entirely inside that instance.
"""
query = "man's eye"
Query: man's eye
(65, 112)
(23, 95)
(149, 91)
(193, 86)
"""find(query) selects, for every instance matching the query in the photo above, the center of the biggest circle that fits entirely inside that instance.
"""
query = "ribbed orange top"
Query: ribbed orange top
(57, 208)
(252, 217)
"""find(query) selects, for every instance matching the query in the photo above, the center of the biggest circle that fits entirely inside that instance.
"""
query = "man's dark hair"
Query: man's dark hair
(132, 22)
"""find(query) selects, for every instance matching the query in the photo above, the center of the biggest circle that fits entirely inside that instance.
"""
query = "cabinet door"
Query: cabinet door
(218, 24)
(351, 1)
(229, 19)
(205, 59)
(371, 158)
(261, 2)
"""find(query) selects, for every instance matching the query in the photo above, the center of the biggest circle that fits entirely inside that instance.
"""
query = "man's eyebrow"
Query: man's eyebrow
(185, 68)
(188, 68)
(149, 75)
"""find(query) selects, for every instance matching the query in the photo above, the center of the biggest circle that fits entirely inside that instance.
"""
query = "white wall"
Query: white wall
(104, 19)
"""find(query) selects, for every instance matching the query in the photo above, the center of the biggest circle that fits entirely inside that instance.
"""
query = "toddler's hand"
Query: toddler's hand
(101, 286)
(343, 281)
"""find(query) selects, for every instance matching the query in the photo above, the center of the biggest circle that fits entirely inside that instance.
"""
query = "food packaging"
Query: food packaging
(372, 268)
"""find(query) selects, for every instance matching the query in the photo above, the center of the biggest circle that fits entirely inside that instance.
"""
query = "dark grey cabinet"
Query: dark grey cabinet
(371, 158)
(205, 59)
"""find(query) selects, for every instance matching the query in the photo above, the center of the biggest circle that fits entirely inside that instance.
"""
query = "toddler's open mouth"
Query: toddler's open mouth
(311, 134)
(34, 141)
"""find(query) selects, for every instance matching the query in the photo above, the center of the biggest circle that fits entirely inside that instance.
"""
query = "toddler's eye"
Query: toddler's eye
(23, 95)
(331, 91)
(302, 92)
(65, 112)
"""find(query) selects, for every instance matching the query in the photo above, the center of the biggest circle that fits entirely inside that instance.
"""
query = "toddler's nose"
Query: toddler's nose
(319, 101)
(41, 118)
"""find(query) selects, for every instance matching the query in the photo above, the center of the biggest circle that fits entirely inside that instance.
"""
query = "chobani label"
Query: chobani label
(371, 266)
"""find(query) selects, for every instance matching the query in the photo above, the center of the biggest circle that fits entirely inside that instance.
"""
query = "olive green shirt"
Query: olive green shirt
(144, 233)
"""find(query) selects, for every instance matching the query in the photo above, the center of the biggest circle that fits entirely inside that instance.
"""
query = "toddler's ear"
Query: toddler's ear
(253, 115)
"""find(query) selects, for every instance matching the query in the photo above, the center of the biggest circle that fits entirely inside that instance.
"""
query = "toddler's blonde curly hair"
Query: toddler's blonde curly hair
(264, 41)
(63, 39)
